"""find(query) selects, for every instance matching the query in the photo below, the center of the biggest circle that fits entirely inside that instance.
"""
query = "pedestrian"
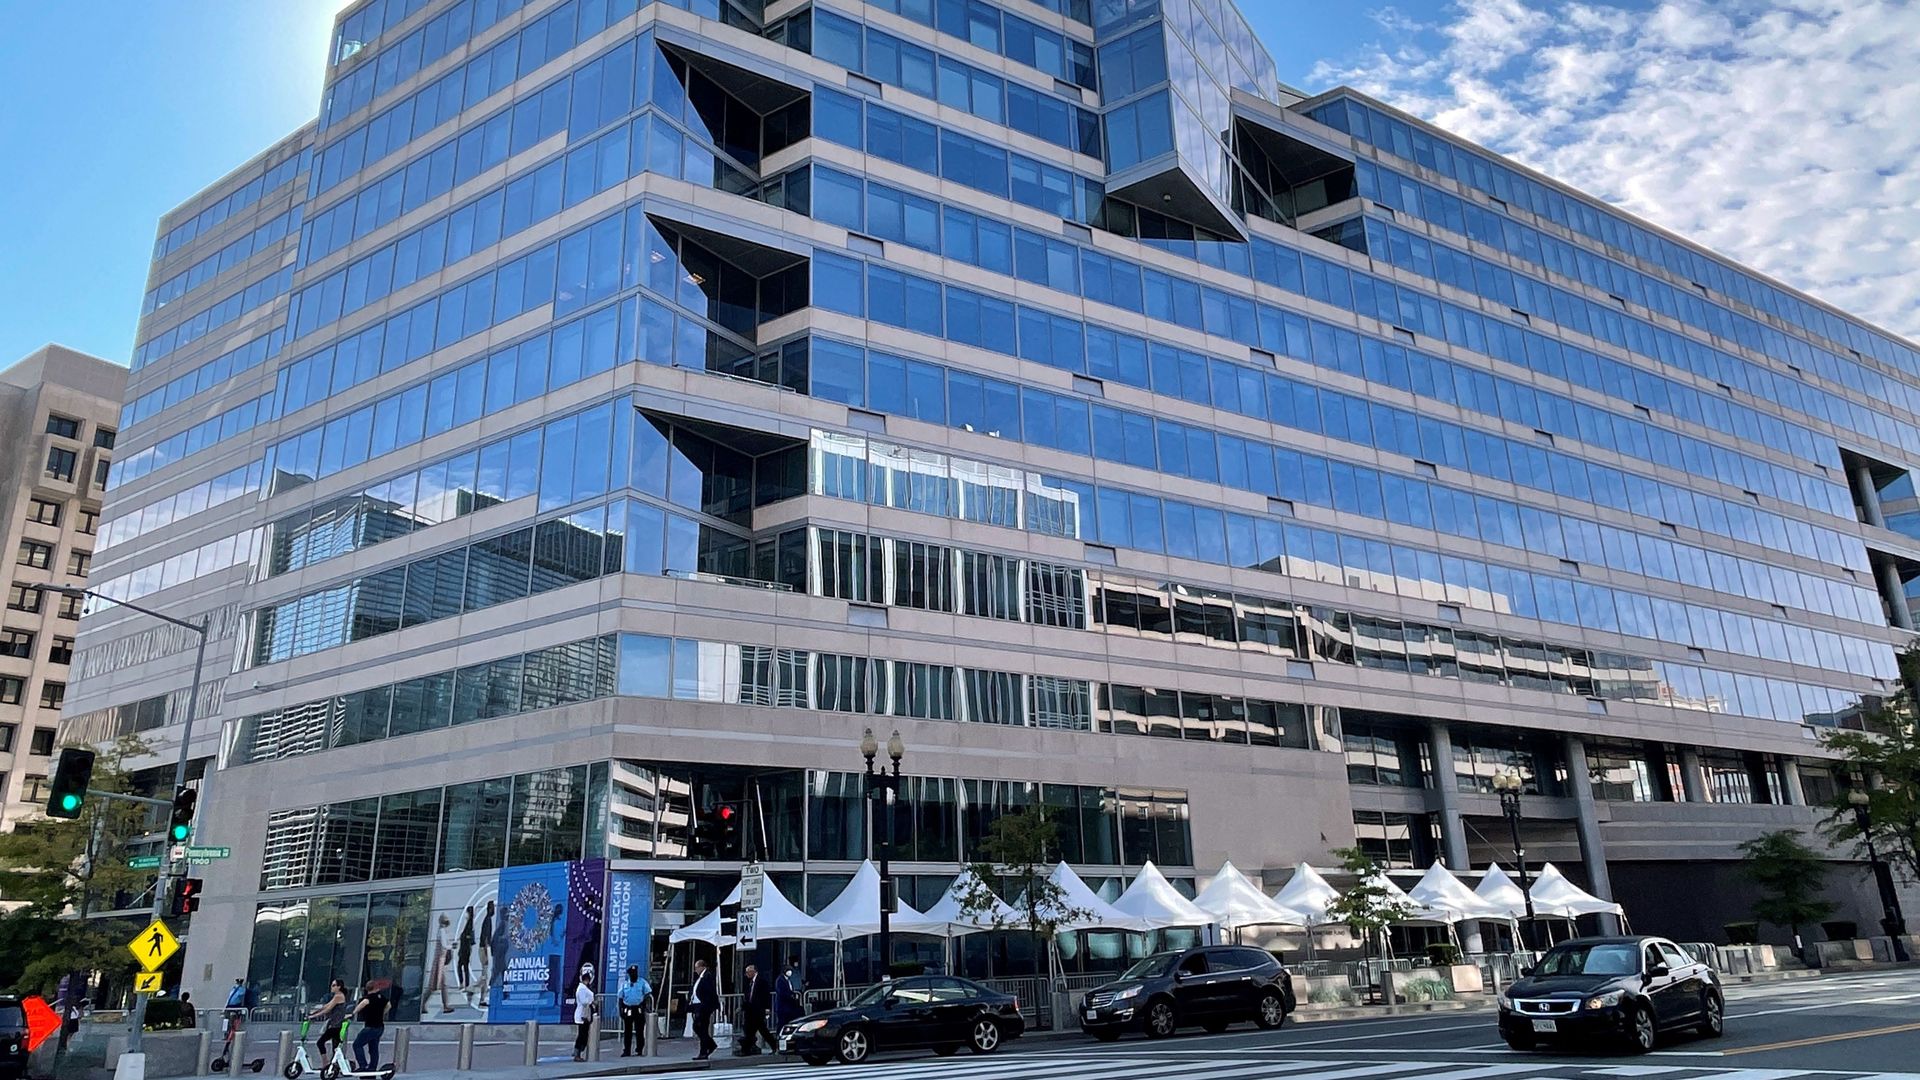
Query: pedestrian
(330, 1012)
(442, 962)
(371, 1011)
(583, 999)
(187, 1019)
(756, 998)
(787, 995)
(705, 1001)
(486, 952)
(633, 1013)
(465, 955)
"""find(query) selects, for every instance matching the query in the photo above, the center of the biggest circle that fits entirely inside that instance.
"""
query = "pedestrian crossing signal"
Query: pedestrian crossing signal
(71, 775)
(186, 897)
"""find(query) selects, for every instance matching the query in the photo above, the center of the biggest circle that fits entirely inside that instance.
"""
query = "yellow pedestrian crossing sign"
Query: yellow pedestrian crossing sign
(153, 946)
(147, 982)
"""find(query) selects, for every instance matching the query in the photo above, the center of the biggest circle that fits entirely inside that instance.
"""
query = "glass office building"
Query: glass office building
(604, 411)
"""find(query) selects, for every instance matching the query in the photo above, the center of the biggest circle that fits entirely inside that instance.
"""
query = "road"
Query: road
(1846, 1027)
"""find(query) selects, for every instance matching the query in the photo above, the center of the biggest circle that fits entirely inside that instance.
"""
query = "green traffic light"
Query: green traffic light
(70, 801)
(180, 833)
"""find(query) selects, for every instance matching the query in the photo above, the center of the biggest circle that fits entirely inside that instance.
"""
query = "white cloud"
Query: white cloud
(1785, 135)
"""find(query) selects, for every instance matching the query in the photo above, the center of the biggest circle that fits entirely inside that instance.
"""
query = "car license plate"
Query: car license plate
(1093, 1014)
(1546, 1026)
(784, 1040)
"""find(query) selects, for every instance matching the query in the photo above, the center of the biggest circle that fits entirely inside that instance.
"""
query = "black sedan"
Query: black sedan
(936, 1012)
(1627, 990)
(13, 1039)
(1211, 986)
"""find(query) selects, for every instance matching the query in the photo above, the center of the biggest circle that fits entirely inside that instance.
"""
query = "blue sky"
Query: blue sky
(1777, 131)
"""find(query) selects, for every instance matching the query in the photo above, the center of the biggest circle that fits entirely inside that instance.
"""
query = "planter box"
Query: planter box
(1466, 978)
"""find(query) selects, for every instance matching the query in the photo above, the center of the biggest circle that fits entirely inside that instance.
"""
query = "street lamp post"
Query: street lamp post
(1892, 922)
(882, 784)
(168, 868)
(1507, 785)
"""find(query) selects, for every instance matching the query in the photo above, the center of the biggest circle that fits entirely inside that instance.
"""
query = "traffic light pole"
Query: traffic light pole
(167, 868)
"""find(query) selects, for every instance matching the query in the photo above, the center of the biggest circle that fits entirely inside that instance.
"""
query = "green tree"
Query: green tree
(1886, 754)
(1792, 880)
(61, 870)
(1020, 850)
(1367, 906)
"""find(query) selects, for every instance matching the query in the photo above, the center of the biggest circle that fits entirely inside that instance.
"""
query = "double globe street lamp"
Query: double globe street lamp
(1508, 786)
(883, 785)
(1892, 922)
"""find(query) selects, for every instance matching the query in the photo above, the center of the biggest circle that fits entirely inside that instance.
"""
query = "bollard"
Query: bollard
(463, 1057)
(402, 1043)
(205, 1054)
(284, 1052)
(238, 1060)
(649, 1036)
(593, 1038)
(530, 1056)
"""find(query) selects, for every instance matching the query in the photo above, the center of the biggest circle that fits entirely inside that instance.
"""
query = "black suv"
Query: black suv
(13, 1039)
(1211, 986)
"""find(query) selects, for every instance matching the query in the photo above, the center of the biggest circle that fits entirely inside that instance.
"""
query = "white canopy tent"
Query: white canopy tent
(1419, 913)
(1153, 900)
(1553, 894)
(1232, 900)
(948, 911)
(1439, 891)
(1092, 913)
(856, 911)
(1307, 894)
(778, 919)
(1498, 890)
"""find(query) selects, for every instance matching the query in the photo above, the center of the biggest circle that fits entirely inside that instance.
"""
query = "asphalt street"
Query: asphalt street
(1846, 1027)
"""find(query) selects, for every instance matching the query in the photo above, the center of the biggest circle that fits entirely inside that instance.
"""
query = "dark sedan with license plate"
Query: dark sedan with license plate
(926, 1012)
(1623, 990)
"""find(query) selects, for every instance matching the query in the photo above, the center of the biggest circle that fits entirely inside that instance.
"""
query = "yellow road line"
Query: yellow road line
(1818, 1040)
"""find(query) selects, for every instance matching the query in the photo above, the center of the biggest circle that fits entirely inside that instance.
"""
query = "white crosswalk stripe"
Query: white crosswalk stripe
(1174, 1064)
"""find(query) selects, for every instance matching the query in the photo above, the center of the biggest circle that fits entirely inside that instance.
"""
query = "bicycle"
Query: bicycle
(234, 1018)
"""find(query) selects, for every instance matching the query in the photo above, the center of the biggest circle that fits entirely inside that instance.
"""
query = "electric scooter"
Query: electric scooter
(340, 1065)
(224, 1061)
(301, 1065)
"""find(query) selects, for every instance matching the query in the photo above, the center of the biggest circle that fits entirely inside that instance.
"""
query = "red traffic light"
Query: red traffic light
(726, 812)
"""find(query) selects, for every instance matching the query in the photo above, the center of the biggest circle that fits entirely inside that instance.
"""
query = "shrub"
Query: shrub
(1443, 954)
(1428, 990)
(1331, 995)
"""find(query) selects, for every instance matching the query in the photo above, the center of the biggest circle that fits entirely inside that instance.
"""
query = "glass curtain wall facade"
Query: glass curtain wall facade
(644, 398)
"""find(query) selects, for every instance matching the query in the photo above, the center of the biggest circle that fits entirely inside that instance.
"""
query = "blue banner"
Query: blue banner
(629, 930)
(529, 945)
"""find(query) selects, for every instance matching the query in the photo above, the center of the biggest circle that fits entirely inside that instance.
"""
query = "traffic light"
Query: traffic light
(184, 799)
(726, 821)
(186, 897)
(71, 775)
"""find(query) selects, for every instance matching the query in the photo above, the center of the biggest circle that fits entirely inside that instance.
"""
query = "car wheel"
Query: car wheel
(1518, 1042)
(1713, 1022)
(985, 1036)
(946, 1051)
(1160, 1019)
(815, 1059)
(1271, 1012)
(854, 1046)
(1106, 1036)
(1640, 1031)
(1214, 1027)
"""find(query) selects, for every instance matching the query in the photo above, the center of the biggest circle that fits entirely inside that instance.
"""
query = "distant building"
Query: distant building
(59, 415)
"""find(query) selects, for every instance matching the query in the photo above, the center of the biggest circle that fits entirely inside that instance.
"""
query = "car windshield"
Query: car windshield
(1151, 966)
(873, 994)
(1590, 960)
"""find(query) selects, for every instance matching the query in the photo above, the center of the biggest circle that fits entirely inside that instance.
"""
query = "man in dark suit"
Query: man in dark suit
(756, 997)
(705, 1002)
(787, 989)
